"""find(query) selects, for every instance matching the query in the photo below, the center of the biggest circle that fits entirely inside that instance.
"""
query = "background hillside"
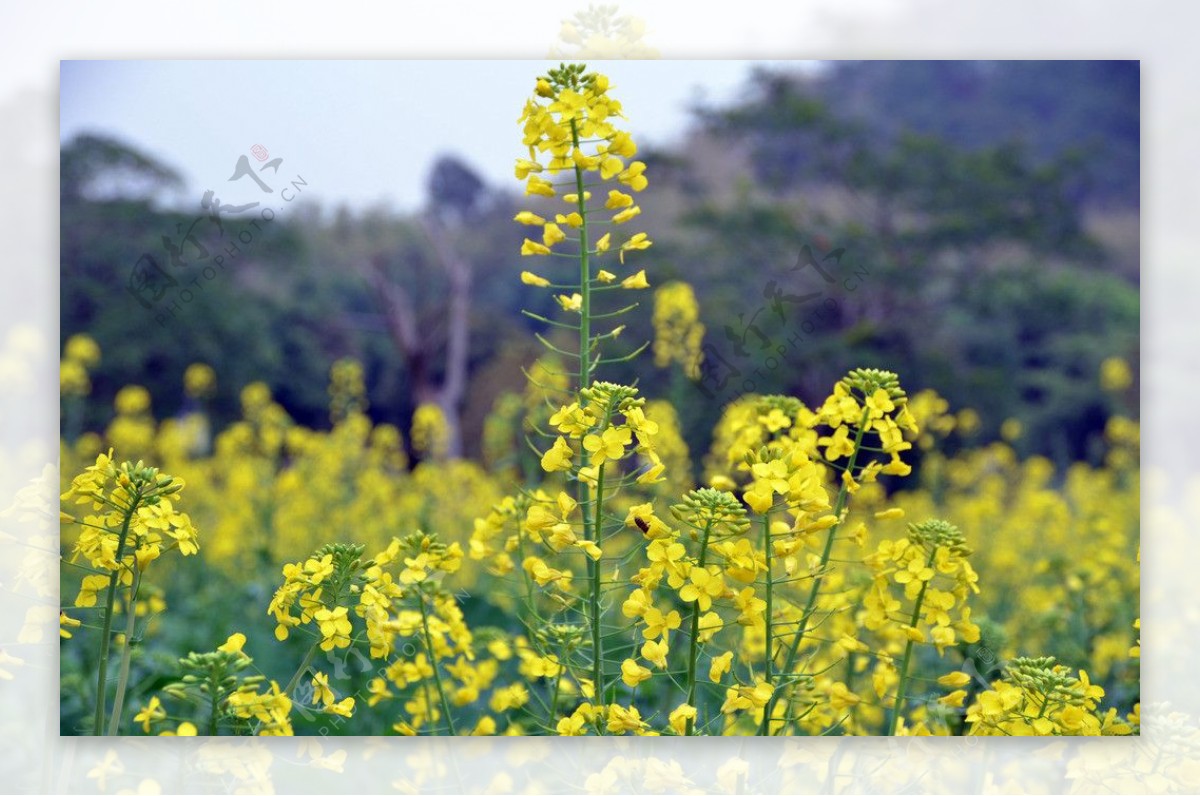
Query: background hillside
(986, 213)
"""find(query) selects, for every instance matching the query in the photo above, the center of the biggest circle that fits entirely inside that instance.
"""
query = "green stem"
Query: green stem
(908, 648)
(765, 728)
(594, 598)
(106, 631)
(694, 645)
(585, 276)
(429, 702)
(591, 528)
(838, 508)
(291, 686)
(433, 664)
(114, 722)
(214, 693)
(554, 697)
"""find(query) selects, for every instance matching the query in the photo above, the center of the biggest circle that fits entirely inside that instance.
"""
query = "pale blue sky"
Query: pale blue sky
(359, 132)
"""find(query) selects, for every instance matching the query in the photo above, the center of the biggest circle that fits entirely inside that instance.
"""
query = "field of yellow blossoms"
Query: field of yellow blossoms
(831, 571)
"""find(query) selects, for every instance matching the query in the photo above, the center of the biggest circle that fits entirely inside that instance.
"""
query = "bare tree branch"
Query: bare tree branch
(459, 275)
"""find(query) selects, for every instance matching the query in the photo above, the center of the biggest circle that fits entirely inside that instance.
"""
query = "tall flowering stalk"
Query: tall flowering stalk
(867, 405)
(133, 523)
(568, 122)
(574, 147)
(933, 552)
(716, 519)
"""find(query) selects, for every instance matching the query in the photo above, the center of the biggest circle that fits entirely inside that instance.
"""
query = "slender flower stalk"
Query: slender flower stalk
(694, 641)
(114, 723)
(769, 590)
(592, 534)
(933, 551)
(908, 650)
(106, 629)
(591, 527)
(793, 649)
(585, 275)
(865, 399)
(302, 669)
(433, 663)
(214, 697)
(135, 505)
(570, 120)
(554, 696)
(715, 518)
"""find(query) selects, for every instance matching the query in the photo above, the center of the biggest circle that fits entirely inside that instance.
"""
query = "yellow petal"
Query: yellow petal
(531, 247)
(626, 214)
(635, 282)
(234, 643)
(954, 679)
(533, 279)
